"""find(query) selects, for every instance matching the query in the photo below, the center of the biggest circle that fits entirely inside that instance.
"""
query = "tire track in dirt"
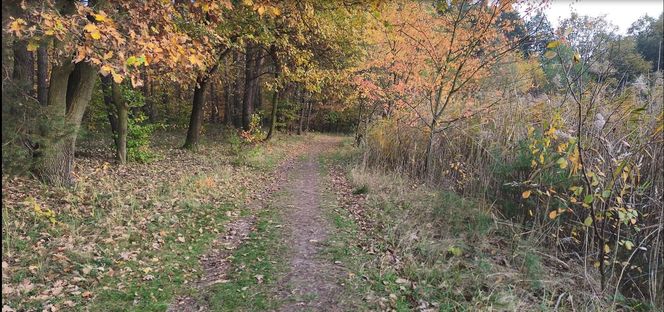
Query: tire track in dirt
(216, 262)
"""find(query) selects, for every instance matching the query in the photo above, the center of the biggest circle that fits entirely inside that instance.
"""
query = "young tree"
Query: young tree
(431, 60)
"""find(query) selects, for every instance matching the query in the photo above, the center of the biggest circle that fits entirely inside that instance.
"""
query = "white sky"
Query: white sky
(621, 13)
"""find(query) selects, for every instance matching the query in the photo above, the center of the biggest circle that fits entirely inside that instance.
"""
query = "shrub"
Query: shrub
(138, 139)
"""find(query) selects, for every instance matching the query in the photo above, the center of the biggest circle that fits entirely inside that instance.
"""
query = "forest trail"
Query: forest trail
(308, 281)
(311, 283)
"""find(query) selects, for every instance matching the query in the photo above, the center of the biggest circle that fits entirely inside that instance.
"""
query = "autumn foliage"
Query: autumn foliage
(559, 129)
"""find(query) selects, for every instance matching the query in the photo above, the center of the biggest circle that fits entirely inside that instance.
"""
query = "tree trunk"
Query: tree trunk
(195, 121)
(275, 96)
(228, 100)
(429, 151)
(248, 98)
(69, 93)
(214, 101)
(106, 87)
(309, 107)
(273, 117)
(122, 110)
(148, 107)
(24, 70)
(42, 74)
(165, 99)
(301, 113)
(237, 94)
(258, 64)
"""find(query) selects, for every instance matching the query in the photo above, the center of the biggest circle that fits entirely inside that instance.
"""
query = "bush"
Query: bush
(138, 139)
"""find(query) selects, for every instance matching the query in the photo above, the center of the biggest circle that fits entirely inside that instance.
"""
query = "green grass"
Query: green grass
(169, 267)
(254, 270)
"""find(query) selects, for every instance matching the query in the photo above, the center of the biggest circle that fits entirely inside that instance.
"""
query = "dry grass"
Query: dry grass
(462, 256)
(480, 156)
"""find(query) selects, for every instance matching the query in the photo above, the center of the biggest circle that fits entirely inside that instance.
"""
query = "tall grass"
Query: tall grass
(488, 157)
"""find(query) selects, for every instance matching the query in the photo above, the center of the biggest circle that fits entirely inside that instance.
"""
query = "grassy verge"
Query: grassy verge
(254, 269)
(433, 250)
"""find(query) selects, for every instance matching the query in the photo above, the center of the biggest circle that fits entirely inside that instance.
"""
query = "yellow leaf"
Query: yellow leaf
(100, 17)
(95, 35)
(261, 10)
(577, 57)
(276, 11)
(117, 78)
(248, 2)
(550, 54)
(553, 214)
(108, 55)
(16, 26)
(525, 194)
(32, 46)
(553, 44)
(105, 70)
(629, 245)
(607, 249)
(90, 28)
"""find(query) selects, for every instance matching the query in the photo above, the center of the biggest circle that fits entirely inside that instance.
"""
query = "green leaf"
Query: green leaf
(588, 221)
(131, 61)
(606, 194)
(454, 250)
(553, 44)
(588, 199)
(629, 245)
(562, 162)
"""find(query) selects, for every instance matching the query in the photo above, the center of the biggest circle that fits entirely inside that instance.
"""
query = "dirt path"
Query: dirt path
(312, 282)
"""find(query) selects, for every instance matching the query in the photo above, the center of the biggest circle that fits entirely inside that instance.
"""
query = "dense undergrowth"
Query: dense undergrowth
(413, 246)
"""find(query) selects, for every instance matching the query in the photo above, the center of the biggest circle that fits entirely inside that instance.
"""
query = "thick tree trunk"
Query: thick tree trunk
(68, 96)
(196, 119)
(42, 74)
